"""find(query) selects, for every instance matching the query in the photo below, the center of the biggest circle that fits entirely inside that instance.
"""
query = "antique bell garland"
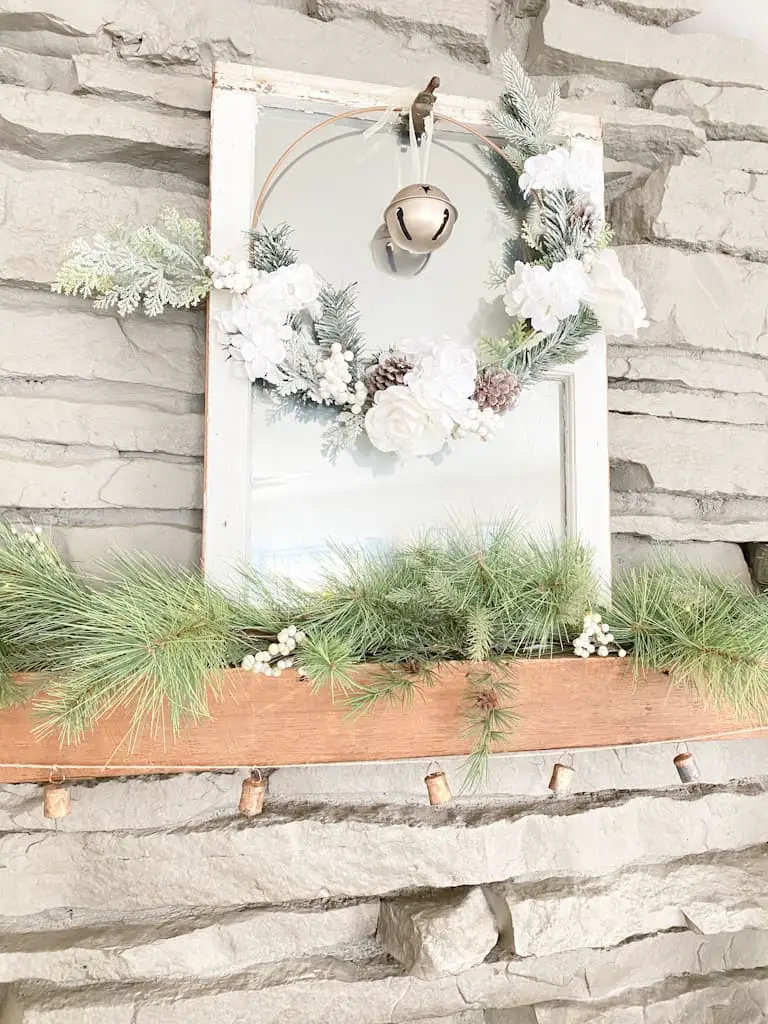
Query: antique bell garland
(298, 337)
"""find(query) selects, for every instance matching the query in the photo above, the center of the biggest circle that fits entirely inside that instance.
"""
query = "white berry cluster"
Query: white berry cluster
(237, 277)
(335, 378)
(276, 658)
(481, 422)
(596, 639)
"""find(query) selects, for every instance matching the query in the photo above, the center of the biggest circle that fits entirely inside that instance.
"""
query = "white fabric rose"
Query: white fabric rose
(398, 422)
(613, 298)
(443, 376)
(546, 296)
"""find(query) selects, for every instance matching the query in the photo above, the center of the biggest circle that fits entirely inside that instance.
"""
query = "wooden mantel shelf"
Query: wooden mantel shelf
(564, 703)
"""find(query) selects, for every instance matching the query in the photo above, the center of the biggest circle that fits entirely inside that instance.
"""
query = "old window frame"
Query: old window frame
(239, 91)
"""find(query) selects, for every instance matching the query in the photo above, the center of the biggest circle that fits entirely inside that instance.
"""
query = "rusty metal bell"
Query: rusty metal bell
(437, 786)
(562, 778)
(57, 800)
(252, 795)
(687, 767)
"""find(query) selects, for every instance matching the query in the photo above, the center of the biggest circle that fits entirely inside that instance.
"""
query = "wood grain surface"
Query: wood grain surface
(565, 703)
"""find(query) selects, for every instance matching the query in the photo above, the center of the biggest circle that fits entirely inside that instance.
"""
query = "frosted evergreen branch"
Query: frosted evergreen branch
(269, 249)
(154, 266)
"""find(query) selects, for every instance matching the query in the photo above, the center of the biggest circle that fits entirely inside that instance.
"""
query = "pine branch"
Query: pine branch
(489, 720)
(340, 320)
(532, 363)
(395, 684)
(269, 249)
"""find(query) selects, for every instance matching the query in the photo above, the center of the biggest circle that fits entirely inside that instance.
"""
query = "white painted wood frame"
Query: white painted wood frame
(239, 92)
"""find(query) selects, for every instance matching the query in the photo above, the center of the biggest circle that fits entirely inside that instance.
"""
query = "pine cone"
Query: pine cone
(584, 215)
(497, 389)
(487, 700)
(390, 370)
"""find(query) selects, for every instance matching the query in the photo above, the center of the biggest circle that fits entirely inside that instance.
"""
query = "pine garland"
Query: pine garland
(156, 639)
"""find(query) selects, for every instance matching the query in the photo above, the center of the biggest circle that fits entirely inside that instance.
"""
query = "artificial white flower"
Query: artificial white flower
(545, 296)
(443, 376)
(613, 298)
(398, 422)
(258, 337)
(545, 172)
(560, 168)
(285, 290)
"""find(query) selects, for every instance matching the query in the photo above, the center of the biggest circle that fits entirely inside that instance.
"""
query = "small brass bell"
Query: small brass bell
(57, 802)
(252, 795)
(562, 779)
(437, 786)
(687, 767)
(420, 218)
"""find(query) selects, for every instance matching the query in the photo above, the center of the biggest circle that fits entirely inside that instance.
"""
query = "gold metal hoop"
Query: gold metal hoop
(273, 171)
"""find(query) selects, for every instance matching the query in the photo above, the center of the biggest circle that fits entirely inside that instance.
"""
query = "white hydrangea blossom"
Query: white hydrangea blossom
(613, 298)
(545, 296)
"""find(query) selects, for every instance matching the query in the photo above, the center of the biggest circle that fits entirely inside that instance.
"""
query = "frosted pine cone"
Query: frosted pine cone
(497, 390)
(390, 370)
(585, 217)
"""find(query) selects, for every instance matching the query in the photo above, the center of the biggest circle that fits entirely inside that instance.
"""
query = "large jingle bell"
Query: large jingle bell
(420, 218)
(392, 260)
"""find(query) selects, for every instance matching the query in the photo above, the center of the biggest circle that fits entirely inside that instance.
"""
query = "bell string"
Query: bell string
(399, 100)
(429, 130)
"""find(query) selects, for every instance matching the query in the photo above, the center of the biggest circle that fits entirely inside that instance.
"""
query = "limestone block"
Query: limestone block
(459, 26)
(725, 113)
(699, 206)
(367, 853)
(621, 177)
(439, 936)
(733, 1000)
(45, 208)
(34, 71)
(651, 12)
(677, 516)
(86, 547)
(51, 336)
(654, 398)
(198, 32)
(589, 87)
(718, 557)
(684, 455)
(758, 560)
(123, 419)
(569, 38)
(746, 156)
(728, 894)
(642, 136)
(114, 79)
(211, 948)
(350, 991)
(54, 126)
(722, 372)
(509, 33)
(45, 476)
(683, 292)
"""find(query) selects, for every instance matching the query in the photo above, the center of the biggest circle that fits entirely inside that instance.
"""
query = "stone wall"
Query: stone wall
(631, 901)
(103, 115)
(349, 901)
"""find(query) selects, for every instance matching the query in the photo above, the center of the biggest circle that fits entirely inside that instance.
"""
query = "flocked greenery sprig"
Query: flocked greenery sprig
(153, 266)
(156, 639)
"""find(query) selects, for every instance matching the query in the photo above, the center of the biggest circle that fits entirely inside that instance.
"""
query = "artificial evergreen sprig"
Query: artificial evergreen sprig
(489, 718)
(153, 266)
